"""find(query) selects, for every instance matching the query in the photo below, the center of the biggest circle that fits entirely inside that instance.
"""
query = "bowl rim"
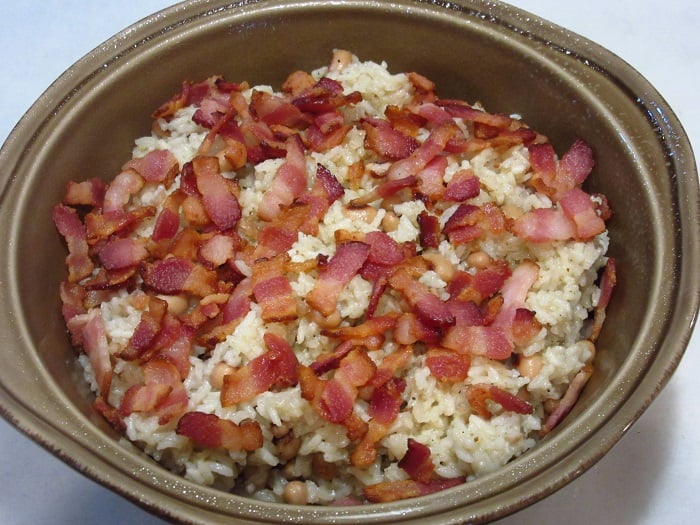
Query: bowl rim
(659, 367)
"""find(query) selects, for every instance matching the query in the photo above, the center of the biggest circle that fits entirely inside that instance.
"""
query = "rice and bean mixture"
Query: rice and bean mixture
(347, 290)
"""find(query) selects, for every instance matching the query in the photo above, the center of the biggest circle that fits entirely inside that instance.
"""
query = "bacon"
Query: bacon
(272, 290)
(544, 225)
(470, 222)
(327, 131)
(608, 280)
(142, 340)
(567, 402)
(490, 341)
(514, 292)
(431, 178)
(326, 95)
(391, 364)
(386, 401)
(383, 250)
(174, 275)
(386, 141)
(362, 333)
(100, 226)
(155, 166)
(525, 327)
(220, 204)
(410, 328)
(176, 102)
(388, 491)
(87, 193)
(384, 190)
(217, 250)
(429, 308)
(429, 230)
(211, 431)
(120, 190)
(337, 399)
(338, 272)
(417, 462)
(556, 178)
(72, 229)
(122, 253)
(330, 361)
(447, 366)
(419, 159)
(463, 186)
(273, 109)
(289, 182)
(478, 395)
(578, 207)
(168, 220)
(94, 339)
(460, 109)
(275, 368)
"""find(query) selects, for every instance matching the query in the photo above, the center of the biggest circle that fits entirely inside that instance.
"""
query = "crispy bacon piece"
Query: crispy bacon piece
(275, 368)
(556, 177)
(369, 333)
(90, 192)
(386, 141)
(478, 395)
(490, 341)
(155, 166)
(608, 280)
(95, 345)
(69, 225)
(417, 462)
(446, 365)
(272, 290)
(273, 109)
(217, 250)
(410, 328)
(211, 431)
(385, 403)
(388, 491)
(289, 182)
(220, 204)
(463, 186)
(384, 190)
(429, 230)
(431, 178)
(338, 272)
(578, 207)
(122, 253)
(567, 402)
(142, 340)
(514, 292)
(431, 148)
(174, 275)
(544, 225)
(470, 222)
(120, 190)
(427, 305)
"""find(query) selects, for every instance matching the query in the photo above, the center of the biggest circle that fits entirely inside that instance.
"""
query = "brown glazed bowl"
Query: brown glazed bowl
(562, 85)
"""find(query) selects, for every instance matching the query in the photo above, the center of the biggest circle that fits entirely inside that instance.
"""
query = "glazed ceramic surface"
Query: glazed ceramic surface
(562, 84)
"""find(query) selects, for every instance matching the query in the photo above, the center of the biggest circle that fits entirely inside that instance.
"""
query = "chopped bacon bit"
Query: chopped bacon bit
(387, 141)
(155, 166)
(419, 159)
(220, 204)
(417, 462)
(175, 275)
(122, 253)
(211, 431)
(385, 404)
(608, 280)
(446, 365)
(95, 344)
(556, 178)
(272, 290)
(388, 491)
(566, 403)
(429, 230)
(120, 190)
(578, 207)
(463, 186)
(144, 337)
(427, 305)
(479, 395)
(489, 341)
(69, 225)
(87, 193)
(337, 273)
(545, 225)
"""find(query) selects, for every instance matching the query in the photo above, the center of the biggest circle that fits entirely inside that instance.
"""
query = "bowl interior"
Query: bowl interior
(85, 126)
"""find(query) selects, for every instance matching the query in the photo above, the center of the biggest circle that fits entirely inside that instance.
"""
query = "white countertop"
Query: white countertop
(650, 477)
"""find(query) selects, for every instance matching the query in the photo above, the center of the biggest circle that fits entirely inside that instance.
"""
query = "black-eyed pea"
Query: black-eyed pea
(441, 266)
(296, 493)
(390, 222)
(478, 259)
(340, 60)
(530, 366)
(217, 375)
(177, 304)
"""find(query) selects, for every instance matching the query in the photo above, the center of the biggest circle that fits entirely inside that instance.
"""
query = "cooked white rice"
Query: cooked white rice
(436, 414)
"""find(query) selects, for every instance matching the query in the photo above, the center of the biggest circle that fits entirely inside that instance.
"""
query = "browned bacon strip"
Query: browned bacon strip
(210, 431)
(272, 290)
(220, 204)
(69, 225)
(419, 159)
(417, 462)
(567, 402)
(338, 272)
(95, 346)
(388, 491)
(386, 141)
(426, 304)
(156, 166)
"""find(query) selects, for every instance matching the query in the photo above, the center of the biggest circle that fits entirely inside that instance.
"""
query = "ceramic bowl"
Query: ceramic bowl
(562, 85)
